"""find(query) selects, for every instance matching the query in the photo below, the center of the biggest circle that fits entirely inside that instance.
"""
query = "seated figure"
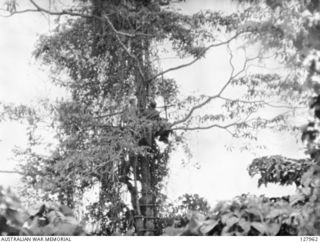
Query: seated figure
(158, 127)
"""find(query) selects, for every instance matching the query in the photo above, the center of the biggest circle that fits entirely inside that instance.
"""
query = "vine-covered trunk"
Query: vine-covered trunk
(147, 196)
(141, 187)
(146, 200)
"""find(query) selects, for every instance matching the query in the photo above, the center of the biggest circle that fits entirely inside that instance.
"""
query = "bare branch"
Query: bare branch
(206, 127)
(17, 12)
(205, 50)
(11, 172)
(225, 127)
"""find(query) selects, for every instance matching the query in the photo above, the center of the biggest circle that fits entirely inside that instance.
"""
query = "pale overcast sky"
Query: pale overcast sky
(222, 175)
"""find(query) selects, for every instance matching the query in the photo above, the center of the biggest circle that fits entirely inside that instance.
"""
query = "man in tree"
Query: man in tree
(130, 113)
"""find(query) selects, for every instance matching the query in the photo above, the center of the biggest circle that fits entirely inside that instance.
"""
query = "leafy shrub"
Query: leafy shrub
(53, 220)
(247, 215)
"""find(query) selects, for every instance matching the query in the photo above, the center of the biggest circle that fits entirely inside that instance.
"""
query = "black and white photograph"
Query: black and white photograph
(159, 118)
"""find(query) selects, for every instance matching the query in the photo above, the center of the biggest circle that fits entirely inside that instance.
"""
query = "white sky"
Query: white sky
(222, 175)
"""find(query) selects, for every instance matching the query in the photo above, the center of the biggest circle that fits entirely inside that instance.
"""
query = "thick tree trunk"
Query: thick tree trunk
(97, 10)
(147, 198)
(138, 217)
(147, 207)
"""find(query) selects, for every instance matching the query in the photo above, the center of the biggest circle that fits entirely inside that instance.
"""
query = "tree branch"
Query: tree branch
(210, 98)
(232, 124)
(70, 13)
(17, 12)
(11, 172)
(261, 102)
(206, 127)
(225, 127)
(198, 56)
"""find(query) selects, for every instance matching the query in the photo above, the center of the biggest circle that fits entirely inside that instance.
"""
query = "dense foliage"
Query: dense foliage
(54, 220)
(113, 139)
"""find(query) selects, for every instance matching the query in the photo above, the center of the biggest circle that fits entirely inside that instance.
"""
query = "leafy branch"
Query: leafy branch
(218, 95)
(262, 102)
